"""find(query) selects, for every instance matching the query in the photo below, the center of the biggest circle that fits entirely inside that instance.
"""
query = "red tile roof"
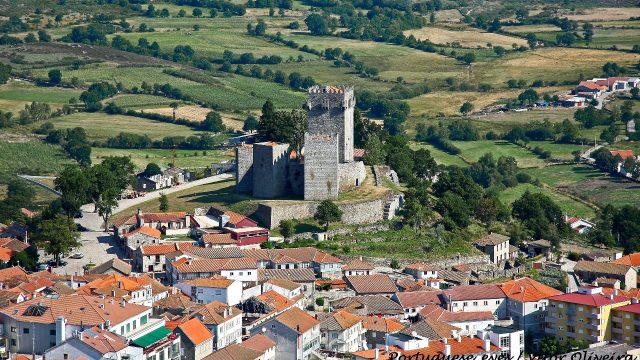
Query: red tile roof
(275, 300)
(475, 292)
(218, 239)
(145, 230)
(595, 300)
(528, 290)
(420, 266)
(258, 342)
(467, 346)
(624, 154)
(11, 272)
(195, 331)
(297, 320)
(631, 260)
(415, 299)
(163, 217)
(158, 249)
(633, 308)
(103, 341)
(372, 284)
(387, 325)
(435, 312)
(357, 264)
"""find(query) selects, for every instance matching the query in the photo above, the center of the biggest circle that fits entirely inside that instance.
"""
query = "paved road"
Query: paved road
(97, 247)
(93, 222)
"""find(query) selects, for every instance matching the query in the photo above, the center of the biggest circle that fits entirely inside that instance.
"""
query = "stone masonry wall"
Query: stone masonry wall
(365, 212)
(330, 112)
(351, 174)
(270, 169)
(320, 167)
(244, 169)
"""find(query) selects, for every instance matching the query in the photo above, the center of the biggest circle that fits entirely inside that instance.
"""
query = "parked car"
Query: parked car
(77, 255)
(43, 267)
(53, 263)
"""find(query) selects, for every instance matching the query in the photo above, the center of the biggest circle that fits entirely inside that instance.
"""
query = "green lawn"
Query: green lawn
(100, 126)
(473, 150)
(184, 158)
(568, 205)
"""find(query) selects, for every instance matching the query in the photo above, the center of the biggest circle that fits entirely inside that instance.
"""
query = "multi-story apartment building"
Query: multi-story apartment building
(583, 316)
(625, 324)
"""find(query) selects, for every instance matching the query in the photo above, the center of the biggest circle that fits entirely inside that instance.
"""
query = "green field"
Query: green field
(184, 158)
(137, 101)
(473, 150)
(100, 126)
(568, 205)
(588, 183)
(558, 151)
(29, 156)
(440, 156)
(231, 92)
(16, 94)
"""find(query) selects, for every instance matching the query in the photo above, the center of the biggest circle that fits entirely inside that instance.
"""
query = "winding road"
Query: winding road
(93, 222)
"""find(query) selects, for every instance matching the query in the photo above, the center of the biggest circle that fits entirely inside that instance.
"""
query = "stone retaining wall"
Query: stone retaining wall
(364, 212)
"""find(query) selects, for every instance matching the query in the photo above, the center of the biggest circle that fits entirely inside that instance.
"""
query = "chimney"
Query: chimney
(615, 292)
(610, 296)
(426, 343)
(447, 350)
(459, 338)
(444, 340)
(122, 303)
(61, 330)
(113, 293)
(454, 333)
(487, 345)
(80, 335)
(634, 300)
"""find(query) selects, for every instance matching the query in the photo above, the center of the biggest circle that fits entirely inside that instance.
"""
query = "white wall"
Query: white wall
(497, 306)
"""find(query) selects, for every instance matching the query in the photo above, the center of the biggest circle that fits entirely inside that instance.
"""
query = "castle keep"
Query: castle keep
(326, 165)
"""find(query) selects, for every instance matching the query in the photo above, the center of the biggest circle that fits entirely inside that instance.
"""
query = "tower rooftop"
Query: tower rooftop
(330, 89)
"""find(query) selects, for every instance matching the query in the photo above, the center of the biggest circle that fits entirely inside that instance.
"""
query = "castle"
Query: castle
(326, 165)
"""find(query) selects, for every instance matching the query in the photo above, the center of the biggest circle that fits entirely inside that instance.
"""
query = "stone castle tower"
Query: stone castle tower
(268, 170)
(330, 112)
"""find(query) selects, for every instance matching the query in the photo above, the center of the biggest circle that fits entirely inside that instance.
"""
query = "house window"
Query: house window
(475, 303)
(52, 332)
(13, 329)
(464, 304)
(248, 272)
(65, 356)
(135, 324)
(504, 342)
(143, 320)
(25, 330)
(486, 303)
(13, 342)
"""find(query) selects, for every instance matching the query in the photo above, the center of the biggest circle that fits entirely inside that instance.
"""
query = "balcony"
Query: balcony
(591, 326)
(592, 338)
(617, 330)
(549, 330)
(616, 319)
(594, 316)
(551, 319)
(636, 322)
